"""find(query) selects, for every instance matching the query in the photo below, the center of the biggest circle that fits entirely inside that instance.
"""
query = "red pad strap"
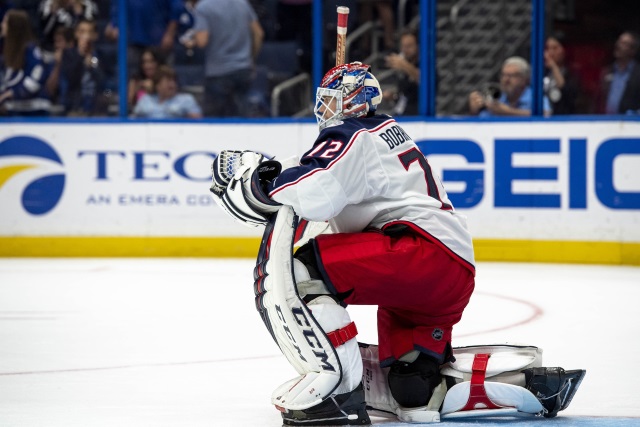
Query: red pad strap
(342, 335)
(302, 226)
(478, 398)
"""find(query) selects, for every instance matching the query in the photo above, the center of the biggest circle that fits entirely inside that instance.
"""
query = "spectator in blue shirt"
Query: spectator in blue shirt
(166, 102)
(515, 97)
(23, 82)
(620, 83)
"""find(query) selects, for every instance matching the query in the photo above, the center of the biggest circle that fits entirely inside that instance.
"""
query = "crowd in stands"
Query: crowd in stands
(619, 88)
(212, 58)
(50, 61)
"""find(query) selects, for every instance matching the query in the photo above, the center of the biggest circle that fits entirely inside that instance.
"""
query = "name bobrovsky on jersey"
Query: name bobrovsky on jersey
(394, 136)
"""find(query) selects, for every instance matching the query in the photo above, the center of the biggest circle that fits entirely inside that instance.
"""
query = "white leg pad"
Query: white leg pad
(331, 316)
(291, 323)
(490, 397)
(507, 395)
(304, 391)
(311, 388)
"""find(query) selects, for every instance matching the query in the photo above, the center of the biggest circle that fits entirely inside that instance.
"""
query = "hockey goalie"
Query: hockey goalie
(372, 225)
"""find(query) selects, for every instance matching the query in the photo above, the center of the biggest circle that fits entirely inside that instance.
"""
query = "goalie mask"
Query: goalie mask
(348, 90)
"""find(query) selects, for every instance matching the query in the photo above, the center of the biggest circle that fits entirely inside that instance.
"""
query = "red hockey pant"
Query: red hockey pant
(420, 288)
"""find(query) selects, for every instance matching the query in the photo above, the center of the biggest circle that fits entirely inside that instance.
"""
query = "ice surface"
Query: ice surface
(177, 342)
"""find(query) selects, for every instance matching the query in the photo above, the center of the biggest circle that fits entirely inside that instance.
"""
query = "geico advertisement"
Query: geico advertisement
(527, 180)
(542, 181)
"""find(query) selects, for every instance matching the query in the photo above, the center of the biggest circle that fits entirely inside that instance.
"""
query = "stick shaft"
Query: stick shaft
(341, 41)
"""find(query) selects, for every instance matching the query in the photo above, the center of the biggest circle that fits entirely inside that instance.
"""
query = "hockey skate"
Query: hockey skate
(340, 410)
(554, 387)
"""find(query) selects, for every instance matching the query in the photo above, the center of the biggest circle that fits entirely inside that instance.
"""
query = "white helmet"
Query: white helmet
(355, 90)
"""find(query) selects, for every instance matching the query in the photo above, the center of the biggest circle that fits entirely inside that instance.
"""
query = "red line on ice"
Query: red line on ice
(536, 312)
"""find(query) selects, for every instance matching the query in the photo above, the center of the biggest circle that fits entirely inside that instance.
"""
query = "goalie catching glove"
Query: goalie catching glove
(238, 179)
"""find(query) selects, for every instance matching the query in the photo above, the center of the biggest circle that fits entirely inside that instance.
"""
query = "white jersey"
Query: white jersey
(368, 173)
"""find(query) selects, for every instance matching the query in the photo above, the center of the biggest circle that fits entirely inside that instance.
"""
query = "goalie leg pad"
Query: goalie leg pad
(509, 399)
(346, 405)
(473, 396)
(335, 321)
(303, 332)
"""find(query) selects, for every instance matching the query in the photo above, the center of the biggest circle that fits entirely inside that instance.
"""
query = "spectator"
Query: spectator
(141, 82)
(78, 76)
(166, 102)
(63, 38)
(5, 6)
(231, 35)
(55, 14)
(151, 23)
(560, 86)
(407, 66)
(22, 88)
(515, 93)
(620, 82)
